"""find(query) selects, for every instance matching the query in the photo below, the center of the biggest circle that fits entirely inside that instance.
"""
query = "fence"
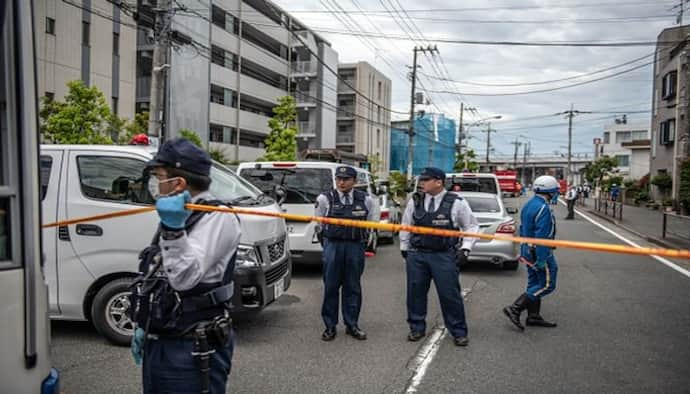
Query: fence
(676, 226)
(610, 208)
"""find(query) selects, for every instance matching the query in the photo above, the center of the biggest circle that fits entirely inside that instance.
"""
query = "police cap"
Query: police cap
(432, 173)
(182, 154)
(345, 172)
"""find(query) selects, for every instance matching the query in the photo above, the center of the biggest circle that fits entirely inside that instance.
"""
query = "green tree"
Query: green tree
(663, 181)
(138, 125)
(467, 160)
(595, 171)
(375, 166)
(281, 143)
(219, 156)
(398, 183)
(83, 118)
(684, 187)
(192, 136)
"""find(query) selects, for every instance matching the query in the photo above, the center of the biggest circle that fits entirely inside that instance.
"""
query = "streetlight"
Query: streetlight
(488, 139)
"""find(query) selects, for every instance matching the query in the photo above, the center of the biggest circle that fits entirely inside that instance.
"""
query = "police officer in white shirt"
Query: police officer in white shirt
(433, 257)
(343, 252)
(570, 199)
(181, 299)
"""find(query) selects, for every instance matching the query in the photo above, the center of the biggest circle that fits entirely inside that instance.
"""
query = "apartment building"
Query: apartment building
(434, 143)
(364, 122)
(670, 117)
(242, 58)
(629, 143)
(88, 40)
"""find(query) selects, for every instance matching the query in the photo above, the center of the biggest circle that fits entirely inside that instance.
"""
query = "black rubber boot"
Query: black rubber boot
(513, 311)
(534, 318)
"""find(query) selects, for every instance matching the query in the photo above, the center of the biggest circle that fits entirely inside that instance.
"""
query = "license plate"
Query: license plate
(278, 289)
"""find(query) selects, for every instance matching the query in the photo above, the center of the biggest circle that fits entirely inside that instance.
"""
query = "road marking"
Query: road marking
(631, 243)
(425, 356)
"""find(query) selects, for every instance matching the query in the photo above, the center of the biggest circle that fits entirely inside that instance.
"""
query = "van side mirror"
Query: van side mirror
(279, 193)
(512, 210)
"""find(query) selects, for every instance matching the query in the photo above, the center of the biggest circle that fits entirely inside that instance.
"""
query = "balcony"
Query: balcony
(346, 111)
(306, 129)
(343, 85)
(304, 99)
(637, 144)
(304, 68)
(344, 139)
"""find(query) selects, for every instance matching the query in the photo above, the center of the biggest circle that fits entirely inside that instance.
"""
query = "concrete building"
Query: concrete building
(434, 143)
(92, 41)
(243, 58)
(364, 125)
(670, 106)
(629, 144)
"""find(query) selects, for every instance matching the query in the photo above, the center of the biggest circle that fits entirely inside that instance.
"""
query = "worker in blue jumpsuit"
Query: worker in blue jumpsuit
(537, 221)
(433, 257)
(343, 252)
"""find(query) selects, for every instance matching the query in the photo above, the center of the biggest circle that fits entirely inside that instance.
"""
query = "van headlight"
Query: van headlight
(246, 257)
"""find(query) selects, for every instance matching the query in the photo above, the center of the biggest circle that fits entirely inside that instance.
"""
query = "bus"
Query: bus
(25, 365)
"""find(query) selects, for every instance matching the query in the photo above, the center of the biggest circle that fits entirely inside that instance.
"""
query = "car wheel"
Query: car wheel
(511, 265)
(109, 312)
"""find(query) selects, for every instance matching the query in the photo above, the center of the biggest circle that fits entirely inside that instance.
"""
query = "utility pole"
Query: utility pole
(158, 75)
(410, 133)
(525, 152)
(570, 114)
(488, 143)
(459, 146)
(517, 145)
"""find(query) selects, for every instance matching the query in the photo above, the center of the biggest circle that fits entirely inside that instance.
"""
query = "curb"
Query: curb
(637, 233)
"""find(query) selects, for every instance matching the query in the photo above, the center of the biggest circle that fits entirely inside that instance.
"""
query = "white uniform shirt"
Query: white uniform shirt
(572, 194)
(461, 216)
(202, 255)
(322, 205)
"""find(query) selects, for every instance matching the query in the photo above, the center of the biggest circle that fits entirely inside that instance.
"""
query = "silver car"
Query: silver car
(390, 213)
(493, 218)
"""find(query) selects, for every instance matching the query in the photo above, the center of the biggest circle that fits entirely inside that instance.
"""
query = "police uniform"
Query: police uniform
(536, 221)
(433, 257)
(570, 199)
(181, 299)
(343, 254)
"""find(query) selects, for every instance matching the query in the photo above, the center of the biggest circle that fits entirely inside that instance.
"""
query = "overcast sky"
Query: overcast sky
(539, 20)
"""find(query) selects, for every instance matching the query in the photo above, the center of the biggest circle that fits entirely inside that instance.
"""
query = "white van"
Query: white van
(302, 183)
(89, 266)
(470, 182)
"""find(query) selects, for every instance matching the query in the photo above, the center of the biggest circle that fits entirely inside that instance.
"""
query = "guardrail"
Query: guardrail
(610, 208)
(675, 225)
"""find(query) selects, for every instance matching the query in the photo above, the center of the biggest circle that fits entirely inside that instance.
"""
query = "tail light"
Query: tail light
(506, 228)
(385, 215)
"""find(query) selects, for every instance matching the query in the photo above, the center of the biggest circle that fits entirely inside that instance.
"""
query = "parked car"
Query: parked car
(493, 218)
(390, 213)
(90, 266)
(470, 182)
(300, 184)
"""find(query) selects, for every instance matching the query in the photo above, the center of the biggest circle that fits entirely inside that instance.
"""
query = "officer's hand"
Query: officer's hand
(463, 255)
(137, 346)
(172, 212)
(404, 254)
(540, 264)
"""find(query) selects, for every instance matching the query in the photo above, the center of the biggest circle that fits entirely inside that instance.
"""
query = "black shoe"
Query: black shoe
(513, 311)
(415, 336)
(356, 332)
(328, 334)
(461, 341)
(534, 318)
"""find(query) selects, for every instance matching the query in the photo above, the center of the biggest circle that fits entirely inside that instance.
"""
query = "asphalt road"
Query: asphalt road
(623, 327)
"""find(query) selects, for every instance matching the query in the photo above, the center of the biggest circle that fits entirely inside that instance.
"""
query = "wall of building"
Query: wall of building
(434, 144)
(638, 156)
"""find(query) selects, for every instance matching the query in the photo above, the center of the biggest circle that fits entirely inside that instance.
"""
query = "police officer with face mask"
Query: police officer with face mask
(343, 252)
(433, 257)
(180, 300)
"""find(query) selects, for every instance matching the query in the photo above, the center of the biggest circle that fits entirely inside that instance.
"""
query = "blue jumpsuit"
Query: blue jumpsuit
(537, 221)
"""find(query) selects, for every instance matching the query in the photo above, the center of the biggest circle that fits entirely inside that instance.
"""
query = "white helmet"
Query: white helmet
(546, 184)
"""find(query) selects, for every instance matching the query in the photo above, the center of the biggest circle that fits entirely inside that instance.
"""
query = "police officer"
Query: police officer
(343, 252)
(537, 221)
(181, 299)
(433, 257)
(570, 199)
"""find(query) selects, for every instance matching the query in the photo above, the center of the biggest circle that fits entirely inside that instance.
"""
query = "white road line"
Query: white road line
(425, 356)
(631, 243)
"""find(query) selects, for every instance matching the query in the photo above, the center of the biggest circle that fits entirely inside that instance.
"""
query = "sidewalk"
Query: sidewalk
(645, 223)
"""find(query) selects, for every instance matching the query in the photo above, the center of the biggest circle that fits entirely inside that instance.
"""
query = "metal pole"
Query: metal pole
(410, 132)
(524, 164)
(160, 51)
(459, 147)
(570, 144)
(238, 83)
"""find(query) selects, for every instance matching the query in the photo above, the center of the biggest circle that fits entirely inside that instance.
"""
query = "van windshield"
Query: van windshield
(478, 184)
(229, 187)
(302, 185)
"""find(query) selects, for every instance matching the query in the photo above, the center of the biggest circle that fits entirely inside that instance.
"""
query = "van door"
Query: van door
(103, 182)
(50, 177)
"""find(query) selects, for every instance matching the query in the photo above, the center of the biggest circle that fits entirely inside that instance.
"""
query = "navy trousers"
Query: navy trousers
(541, 282)
(343, 265)
(170, 368)
(422, 267)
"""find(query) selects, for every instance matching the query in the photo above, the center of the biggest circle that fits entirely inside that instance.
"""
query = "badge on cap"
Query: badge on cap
(343, 169)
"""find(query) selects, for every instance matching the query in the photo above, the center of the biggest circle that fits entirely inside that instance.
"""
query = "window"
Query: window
(224, 20)
(113, 179)
(380, 89)
(667, 132)
(250, 139)
(217, 95)
(623, 136)
(263, 40)
(218, 133)
(302, 185)
(483, 204)
(116, 44)
(607, 137)
(50, 96)
(115, 107)
(639, 135)
(223, 58)
(263, 74)
(668, 85)
(255, 105)
(46, 167)
(85, 33)
(50, 26)
(623, 160)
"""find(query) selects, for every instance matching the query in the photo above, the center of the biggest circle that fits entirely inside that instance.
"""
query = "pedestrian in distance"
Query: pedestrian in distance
(537, 221)
(181, 299)
(570, 199)
(343, 252)
(433, 257)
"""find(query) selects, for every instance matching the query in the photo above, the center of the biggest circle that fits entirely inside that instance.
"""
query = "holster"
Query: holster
(209, 336)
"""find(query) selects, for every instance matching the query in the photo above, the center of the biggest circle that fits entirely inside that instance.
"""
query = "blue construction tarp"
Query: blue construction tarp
(434, 144)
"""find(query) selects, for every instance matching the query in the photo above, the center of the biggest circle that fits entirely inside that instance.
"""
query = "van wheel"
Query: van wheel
(109, 312)
(511, 265)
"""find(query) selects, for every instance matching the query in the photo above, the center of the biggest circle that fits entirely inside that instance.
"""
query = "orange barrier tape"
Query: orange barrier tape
(597, 247)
